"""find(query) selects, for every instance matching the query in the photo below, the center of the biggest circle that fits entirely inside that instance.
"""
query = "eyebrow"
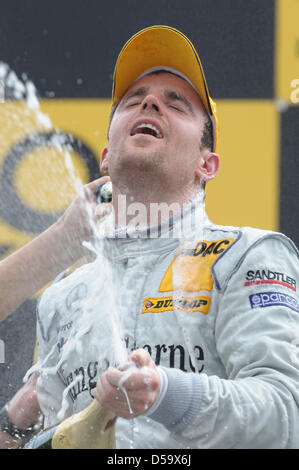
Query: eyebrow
(142, 91)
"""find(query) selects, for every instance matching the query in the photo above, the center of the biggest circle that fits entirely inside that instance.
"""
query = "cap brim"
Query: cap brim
(161, 46)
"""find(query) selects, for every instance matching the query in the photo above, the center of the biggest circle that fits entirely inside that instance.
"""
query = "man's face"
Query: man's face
(155, 133)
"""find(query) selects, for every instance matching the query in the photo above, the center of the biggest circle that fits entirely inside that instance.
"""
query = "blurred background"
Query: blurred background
(67, 49)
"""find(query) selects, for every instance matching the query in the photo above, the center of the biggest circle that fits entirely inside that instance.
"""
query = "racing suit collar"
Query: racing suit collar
(185, 225)
(181, 225)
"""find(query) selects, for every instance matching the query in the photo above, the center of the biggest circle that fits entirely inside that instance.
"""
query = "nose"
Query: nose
(151, 103)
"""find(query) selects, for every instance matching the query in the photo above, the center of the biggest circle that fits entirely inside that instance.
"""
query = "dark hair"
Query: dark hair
(112, 112)
(207, 139)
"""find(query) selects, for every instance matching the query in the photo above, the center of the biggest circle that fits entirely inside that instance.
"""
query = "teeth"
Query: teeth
(149, 126)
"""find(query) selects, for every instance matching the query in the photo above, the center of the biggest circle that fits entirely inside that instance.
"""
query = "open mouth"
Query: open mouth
(148, 129)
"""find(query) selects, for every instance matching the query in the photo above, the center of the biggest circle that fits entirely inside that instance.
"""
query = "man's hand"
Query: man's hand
(131, 392)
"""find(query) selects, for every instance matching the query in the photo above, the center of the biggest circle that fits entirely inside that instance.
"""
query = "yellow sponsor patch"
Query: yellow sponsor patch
(190, 270)
(199, 303)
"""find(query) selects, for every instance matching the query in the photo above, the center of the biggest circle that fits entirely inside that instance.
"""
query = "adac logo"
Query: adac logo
(185, 304)
(190, 270)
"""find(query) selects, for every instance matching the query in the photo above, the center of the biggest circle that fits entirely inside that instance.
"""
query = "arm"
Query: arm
(27, 270)
(23, 411)
(256, 406)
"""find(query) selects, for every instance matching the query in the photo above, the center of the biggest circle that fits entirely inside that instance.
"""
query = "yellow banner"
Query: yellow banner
(287, 51)
(246, 190)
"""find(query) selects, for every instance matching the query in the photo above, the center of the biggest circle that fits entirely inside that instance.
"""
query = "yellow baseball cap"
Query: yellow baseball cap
(162, 47)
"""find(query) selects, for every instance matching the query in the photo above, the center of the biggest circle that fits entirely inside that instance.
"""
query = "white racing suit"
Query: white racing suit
(217, 309)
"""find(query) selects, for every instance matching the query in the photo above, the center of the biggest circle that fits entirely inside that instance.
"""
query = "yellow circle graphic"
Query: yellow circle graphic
(45, 178)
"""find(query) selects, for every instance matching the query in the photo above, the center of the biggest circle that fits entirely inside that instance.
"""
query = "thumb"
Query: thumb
(90, 188)
(141, 358)
(103, 209)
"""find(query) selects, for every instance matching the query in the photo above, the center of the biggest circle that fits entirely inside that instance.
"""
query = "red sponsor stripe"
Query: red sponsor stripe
(270, 281)
(110, 423)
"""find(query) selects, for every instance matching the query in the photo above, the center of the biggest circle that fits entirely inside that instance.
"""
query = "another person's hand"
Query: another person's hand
(38, 262)
(131, 392)
(23, 411)
(76, 222)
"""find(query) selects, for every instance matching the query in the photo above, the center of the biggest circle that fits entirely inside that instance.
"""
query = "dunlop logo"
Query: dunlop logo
(199, 303)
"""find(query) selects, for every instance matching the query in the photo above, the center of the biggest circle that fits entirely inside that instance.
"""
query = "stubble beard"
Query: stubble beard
(135, 173)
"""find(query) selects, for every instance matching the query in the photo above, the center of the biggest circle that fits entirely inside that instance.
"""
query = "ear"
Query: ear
(104, 160)
(208, 165)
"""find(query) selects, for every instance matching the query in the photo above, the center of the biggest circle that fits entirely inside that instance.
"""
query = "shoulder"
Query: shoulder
(250, 245)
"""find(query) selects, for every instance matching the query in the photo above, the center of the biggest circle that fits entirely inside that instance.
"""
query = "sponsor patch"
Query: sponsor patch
(64, 328)
(171, 355)
(61, 343)
(269, 299)
(266, 276)
(190, 270)
(186, 304)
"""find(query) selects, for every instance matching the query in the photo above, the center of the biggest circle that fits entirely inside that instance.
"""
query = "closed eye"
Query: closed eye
(135, 97)
(178, 101)
(136, 103)
(176, 108)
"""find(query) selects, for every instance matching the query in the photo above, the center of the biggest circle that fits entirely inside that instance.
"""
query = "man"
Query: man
(208, 314)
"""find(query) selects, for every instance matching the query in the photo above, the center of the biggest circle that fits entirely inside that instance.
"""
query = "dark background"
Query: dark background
(58, 42)
(69, 48)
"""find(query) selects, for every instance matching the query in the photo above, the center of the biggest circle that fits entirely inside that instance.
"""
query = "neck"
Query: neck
(149, 208)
